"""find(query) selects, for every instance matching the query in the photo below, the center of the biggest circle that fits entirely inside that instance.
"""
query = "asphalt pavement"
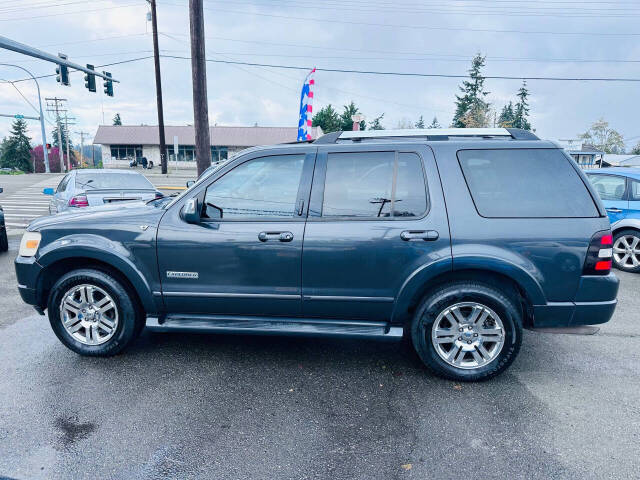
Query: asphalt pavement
(231, 407)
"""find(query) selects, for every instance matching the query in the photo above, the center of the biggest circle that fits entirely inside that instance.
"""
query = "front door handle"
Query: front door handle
(614, 210)
(281, 236)
(426, 235)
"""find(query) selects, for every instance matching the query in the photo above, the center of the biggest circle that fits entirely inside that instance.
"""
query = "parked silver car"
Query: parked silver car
(92, 188)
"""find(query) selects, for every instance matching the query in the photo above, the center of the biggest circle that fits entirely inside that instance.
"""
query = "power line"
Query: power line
(415, 74)
(419, 27)
(462, 57)
(32, 17)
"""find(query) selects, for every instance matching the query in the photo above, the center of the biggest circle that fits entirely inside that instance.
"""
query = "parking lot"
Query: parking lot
(207, 406)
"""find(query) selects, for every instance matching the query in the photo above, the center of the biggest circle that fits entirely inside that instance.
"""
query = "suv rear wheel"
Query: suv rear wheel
(92, 313)
(626, 250)
(467, 331)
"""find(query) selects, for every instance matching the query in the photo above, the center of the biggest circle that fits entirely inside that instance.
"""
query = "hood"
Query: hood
(103, 216)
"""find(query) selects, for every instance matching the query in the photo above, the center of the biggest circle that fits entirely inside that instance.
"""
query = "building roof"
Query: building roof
(219, 136)
(622, 160)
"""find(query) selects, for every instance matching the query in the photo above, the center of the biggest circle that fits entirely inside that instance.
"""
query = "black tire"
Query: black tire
(4, 241)
(616, 237)
(501, 300)
(130, 321)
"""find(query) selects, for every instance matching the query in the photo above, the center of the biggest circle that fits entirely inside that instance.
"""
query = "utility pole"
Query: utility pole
(82, 134)
(199, 80)
(55, 107)
(66, 129)
(156, 59)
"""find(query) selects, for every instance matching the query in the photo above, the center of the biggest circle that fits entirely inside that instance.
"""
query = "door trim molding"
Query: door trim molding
(340, 298)
(274, 296)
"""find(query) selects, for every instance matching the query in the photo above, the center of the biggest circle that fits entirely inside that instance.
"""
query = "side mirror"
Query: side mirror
(190, 183)
(191, 211)
(48, 191)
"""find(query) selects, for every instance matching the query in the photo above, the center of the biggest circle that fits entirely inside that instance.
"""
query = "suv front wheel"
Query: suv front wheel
(92, 313)
(467, 331)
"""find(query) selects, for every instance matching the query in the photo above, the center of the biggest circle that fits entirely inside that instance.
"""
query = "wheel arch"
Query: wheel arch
(525, 290)
(123, 271)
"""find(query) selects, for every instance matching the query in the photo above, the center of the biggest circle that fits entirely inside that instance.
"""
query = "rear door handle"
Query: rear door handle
(426, 235)
(281, 236)
(614, 210)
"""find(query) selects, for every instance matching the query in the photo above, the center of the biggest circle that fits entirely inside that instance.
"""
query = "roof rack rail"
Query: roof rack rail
(429, 134)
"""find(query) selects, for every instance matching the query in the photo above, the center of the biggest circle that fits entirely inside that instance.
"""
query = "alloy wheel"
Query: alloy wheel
(468, 335)
(89, 314)
(626, 251)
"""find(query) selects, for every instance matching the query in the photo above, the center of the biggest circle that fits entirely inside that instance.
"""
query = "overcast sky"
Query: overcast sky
(520, 38)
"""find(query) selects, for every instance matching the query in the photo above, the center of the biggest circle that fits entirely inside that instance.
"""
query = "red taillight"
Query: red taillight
(598, 261)
(79, 201)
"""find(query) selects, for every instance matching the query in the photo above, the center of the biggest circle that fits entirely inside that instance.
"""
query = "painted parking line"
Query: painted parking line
(12, 215)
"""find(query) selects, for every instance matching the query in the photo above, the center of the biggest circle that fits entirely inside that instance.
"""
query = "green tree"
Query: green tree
(604, 138)
(376, 123)
(327, 119)
(349, 111)
(16, 148)
(636, 150)
(117, 120)
(507, 116)
(521, 112)
(472, 110)
(434, 123)
(419, 123)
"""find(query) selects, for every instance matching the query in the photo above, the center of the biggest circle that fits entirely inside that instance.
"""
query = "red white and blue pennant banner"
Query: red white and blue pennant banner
(306, 107)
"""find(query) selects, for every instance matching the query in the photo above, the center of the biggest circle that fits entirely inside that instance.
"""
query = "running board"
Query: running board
(274, 326)
(577, 330)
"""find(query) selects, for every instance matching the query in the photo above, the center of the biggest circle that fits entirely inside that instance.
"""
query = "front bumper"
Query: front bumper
(27, 273)
(594, 303)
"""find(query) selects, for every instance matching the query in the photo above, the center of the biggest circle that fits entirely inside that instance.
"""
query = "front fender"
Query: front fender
(120, 256)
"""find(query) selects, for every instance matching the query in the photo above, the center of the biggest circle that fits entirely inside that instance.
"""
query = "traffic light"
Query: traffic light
(90, 79)
(62, 71)
(108, 84)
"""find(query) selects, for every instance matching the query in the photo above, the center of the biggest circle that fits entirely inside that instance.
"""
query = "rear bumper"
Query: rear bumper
(594, 303)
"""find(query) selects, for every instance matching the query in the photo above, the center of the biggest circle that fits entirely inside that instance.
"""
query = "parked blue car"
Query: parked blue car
(619, 189)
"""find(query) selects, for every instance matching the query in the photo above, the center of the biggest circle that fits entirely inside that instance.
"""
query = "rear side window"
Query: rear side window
(374, 185)
(531, 183)
(635, 190)
(609, 187)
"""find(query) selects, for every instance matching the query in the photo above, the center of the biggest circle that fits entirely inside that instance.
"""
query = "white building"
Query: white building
(122, 143)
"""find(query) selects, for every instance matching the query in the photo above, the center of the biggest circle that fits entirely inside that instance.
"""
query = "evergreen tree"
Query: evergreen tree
(376, 123)
(471, 108)
(506, 117)
(117, 120)
(346, 124)
(434, 123)
(420, 123)
(327, 119)
(16, 148)
(521, 113)
(636, 149)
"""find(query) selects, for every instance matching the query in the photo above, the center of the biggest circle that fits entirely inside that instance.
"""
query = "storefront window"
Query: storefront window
(123, 152)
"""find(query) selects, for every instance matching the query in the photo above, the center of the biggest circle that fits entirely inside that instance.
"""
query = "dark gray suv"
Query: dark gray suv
(453, 239)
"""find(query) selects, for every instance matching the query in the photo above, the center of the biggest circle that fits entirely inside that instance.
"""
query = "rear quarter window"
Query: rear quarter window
(525, 183)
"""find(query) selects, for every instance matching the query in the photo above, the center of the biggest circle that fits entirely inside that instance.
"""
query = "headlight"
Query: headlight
(29, 244)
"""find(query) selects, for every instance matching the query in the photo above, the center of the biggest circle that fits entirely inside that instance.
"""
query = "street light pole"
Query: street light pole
(44, 135)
